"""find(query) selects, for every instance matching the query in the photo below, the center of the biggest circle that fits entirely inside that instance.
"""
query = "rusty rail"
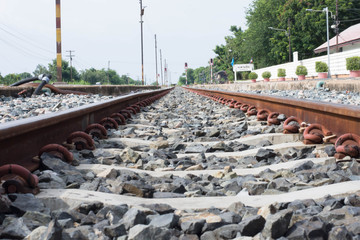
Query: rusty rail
(339, 119)
(21, 140)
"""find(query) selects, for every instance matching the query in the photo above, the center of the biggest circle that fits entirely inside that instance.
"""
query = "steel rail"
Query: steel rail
(338, 118)
(21, 140)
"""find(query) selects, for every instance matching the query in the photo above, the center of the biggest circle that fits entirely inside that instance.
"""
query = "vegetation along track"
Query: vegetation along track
(189, 152)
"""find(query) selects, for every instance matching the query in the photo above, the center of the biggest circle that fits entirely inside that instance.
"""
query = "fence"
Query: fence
(337, 65)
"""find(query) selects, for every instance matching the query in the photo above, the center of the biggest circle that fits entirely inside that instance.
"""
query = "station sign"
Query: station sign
(243, 67)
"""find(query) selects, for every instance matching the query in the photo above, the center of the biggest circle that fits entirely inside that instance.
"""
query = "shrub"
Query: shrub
(301, 70)
(281, 72)
(353, 63)
(253, 75)
(266, 74)
(245, 75)
(321, 67)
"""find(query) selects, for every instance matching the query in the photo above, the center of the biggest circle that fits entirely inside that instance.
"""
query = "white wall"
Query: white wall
(337, 65)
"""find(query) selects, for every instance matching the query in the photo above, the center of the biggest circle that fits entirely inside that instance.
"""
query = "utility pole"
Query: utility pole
(289, 36)
(70, 56)
(186, 76)
(58, 41)
(337, 25)
(142, 42)
(108, 74)
(211, 70)
(157, 82)
(165, 72)
(162, 75)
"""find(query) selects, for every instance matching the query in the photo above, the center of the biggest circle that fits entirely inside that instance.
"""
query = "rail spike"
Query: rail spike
(109, 123)
(272, 119)
(58, 151)
(81, 140)
(315, 133)
(96, 130)
(347, 145)
(294, 125)
(262, 115)
(17, 179)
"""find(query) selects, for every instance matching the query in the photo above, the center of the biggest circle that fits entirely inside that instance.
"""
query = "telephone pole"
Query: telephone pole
(162, 75)
(165, 73)
(337, 25)
(58, 41)
(108, 74)
(70, 56)
(157, 82)
(142, 42)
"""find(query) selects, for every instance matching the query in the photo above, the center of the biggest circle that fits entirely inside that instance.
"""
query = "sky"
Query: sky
(103, 31)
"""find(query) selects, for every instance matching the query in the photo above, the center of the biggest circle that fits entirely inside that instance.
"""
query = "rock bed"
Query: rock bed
(23, 215)
(320, 94)
(12, 109)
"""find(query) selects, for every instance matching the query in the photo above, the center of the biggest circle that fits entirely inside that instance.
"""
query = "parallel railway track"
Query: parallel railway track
(207, 165)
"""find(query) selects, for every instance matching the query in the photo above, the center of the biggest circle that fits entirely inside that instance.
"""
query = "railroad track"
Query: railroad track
(200, 155)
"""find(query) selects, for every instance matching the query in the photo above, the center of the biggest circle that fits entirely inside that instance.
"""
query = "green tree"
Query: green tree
(93, 76)
(11, 78)
(66, 72)
(40, 69)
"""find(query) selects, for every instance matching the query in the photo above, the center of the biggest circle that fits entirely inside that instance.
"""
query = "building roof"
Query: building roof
(349, 36)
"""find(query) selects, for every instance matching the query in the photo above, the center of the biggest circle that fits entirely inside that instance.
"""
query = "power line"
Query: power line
(26, 40)
(26, 51)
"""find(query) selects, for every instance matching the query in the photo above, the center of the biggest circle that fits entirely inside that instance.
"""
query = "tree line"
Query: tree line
(266, 47)
(86, 77)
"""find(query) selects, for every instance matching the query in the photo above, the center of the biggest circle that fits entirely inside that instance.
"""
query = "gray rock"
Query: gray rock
(133, 217)
(72, 233)
(22, 203)
(352, 200)
(85, 208)
(5, 204)
(339, 232)
(230, 217)
(252, 225)
(138, 188)
(66, 223)
(264, 154)
(313, 228)
(195, 148)
(118, 211)
(161, 208)
(280, 184)
(354, 228)
(255, 188)
(304, 166)
(210, 235)
(227, 232)
(53, 232)
(37, 233)
(188, 237)
(236, 207)
(194, 226)
(89, 219)
(14, 228)
(330, 150)
(55, 164)
(35, 219)
(141, 232)
(115, 230)
(91, 186)
(277, 224)
(73, 177)
(169, 220)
